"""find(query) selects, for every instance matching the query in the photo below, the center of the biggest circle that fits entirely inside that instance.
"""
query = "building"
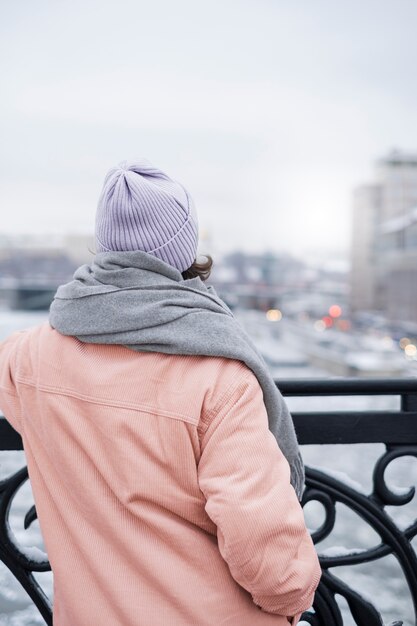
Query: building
(397, 177)
(398, 263)
(366, 217)
(256, 281)
(384, 240)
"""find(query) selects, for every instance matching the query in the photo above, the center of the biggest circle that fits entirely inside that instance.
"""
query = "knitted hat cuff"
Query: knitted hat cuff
(178, 251)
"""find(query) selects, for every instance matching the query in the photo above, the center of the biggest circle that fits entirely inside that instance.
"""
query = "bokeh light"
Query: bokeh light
(410, 350)
(274, 315)
(335, 310)
(327, 321)
(404, 341)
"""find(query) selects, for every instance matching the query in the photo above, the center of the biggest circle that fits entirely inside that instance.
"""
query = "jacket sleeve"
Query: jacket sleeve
(9, 399)
(261, 531)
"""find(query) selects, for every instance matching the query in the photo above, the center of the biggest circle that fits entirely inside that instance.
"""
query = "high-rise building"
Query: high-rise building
(397, 177)
(384, 240)
(366, 216)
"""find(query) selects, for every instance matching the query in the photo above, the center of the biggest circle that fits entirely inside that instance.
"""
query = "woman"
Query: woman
(151, 428)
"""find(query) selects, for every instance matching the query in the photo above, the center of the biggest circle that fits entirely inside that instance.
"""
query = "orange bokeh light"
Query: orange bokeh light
(328, 321)
(335, 310)
(343, 325)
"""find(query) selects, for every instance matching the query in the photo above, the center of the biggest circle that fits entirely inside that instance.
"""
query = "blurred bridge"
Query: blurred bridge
(29, 278)
(28, 295)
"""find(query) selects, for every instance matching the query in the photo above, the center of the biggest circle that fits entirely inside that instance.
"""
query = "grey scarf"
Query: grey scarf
(137, 300)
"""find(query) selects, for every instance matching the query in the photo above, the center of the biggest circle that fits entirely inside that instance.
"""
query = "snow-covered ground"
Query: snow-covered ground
(381, 581)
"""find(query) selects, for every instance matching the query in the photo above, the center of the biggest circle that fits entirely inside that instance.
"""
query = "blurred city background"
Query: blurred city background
(293, 126)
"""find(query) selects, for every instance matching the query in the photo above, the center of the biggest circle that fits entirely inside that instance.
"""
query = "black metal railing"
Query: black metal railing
(396, 429)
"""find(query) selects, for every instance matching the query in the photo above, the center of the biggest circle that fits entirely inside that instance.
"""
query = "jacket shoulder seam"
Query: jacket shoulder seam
(222, 405)
(109, 403)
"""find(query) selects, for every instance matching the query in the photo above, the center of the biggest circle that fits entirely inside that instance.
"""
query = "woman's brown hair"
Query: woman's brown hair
(202, 270)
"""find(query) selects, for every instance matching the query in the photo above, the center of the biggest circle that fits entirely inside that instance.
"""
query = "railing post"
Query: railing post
(409, 401)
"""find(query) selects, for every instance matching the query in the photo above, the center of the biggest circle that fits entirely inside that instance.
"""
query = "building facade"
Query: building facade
(384, 240)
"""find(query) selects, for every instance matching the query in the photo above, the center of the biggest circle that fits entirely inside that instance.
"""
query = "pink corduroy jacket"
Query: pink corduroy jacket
(163, 498)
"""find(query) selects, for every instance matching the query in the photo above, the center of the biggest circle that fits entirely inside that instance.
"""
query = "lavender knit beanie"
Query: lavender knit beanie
(141, 208)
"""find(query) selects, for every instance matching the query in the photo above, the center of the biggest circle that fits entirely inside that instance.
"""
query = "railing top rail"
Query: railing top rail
(330, 426)
(346, 386)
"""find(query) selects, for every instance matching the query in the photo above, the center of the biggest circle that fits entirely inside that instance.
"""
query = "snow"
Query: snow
(33, 553)
(399, 491)
(336, 551)
(341, 477)
(30, 552)
(19, 320)
(29, 616)
(376, 362)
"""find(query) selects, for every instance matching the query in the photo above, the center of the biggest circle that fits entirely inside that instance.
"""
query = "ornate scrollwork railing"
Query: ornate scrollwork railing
(21, 564)
(329, 491)
(396, 429)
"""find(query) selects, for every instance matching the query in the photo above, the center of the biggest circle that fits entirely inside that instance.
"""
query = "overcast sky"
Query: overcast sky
(268, 111)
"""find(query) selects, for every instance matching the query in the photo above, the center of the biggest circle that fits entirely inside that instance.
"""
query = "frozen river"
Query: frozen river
(381, 581)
